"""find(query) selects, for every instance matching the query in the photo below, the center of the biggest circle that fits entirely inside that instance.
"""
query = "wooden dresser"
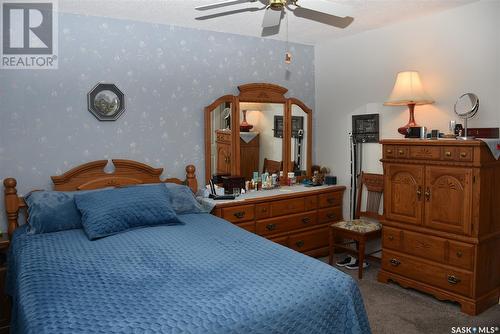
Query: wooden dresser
(249, 154)
(441, 232)
(296, 217)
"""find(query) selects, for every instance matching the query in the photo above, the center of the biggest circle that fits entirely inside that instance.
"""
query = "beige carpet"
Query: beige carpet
(393, 309)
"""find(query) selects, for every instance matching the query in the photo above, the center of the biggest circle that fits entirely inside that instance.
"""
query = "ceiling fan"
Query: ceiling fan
(323, 11)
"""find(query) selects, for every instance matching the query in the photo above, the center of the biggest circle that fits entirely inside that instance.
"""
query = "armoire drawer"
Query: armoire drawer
(287, 223)
(306, 241)
(456, 153)
(237, 214)
(425, 246)
(329, 215)
(461, 255)
(441, 276)
(330, 199)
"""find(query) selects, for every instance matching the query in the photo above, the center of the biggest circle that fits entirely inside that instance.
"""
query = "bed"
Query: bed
(205, 276)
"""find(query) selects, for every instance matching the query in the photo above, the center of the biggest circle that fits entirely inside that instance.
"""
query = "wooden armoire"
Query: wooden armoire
(441, 231)
(249, 154)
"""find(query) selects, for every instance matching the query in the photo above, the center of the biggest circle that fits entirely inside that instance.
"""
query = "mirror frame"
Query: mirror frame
(258, 93)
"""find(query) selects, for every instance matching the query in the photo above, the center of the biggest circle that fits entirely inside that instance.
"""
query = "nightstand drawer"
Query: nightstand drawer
(285, 207)
(286, 224)
(450, 279)
(238, 214)
(330, 199)
(306, 241)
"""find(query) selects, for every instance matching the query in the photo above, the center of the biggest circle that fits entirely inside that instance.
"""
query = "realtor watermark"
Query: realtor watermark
(29, 33)
(475, 329)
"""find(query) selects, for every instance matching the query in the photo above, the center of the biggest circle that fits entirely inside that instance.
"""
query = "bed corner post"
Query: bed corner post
(11, 204)
(191, 178)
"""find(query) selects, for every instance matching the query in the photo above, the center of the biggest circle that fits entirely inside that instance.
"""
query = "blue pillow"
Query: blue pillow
(52, 211)
(182, 199)
(112, 211)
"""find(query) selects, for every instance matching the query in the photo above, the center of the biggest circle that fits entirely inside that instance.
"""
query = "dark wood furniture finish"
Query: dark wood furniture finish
(441, 232)
(4, 299)
(298, 220)
(262, 93)
(374, 184)
(249, 154)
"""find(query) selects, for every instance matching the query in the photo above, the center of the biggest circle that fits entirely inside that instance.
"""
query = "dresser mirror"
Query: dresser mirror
(259, 130)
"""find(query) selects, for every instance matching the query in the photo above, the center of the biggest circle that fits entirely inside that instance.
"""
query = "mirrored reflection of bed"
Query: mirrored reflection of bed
(197, 274)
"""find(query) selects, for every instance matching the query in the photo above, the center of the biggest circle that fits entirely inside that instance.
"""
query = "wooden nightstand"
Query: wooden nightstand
(4, 299)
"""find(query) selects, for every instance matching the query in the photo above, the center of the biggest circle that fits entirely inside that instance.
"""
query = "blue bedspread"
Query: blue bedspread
(206, 276)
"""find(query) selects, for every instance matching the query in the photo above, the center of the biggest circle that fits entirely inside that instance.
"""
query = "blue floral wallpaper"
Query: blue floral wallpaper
(167, 73)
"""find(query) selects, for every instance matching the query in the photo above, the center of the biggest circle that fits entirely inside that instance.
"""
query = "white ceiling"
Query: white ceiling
(368, 14)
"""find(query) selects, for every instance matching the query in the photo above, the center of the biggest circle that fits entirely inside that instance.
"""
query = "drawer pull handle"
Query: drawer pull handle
(391, 238)
(271, 227)
(395, 262)
(300, 243)
(459, 254)
(463, 154)
(401, 152)
(306, 220)
(331, 216)
(239, 214)
(419, 192)
(447, 153)
(427, 194)
(389, 151)
(453, 279)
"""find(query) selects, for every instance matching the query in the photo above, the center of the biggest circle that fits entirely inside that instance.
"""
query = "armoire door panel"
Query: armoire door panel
(403, 189)
(448, 199)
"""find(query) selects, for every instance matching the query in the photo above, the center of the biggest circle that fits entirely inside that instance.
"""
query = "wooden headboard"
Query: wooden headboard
(93, 176)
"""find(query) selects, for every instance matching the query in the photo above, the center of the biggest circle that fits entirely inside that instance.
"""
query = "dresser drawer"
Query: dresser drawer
(262, 211)
(329, 215)
(311, 203)
(395, 152)
(306, 241)
(453, 280)
(239, 213)
(286, 224)
(421, 245)
(425, 152)
(461, 255)
(249, 226)
(280, 240)
(330, 199)
(391, 238)
(288, 206)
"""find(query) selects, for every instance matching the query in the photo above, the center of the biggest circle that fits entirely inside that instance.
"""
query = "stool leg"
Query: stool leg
(361, 257)
(331, 247)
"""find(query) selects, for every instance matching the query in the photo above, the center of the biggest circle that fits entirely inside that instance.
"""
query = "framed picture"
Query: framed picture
(297, 124)
(106, 102)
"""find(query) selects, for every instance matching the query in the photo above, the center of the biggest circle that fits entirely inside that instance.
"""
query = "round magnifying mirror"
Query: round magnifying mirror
(466, 107)
(107, 102)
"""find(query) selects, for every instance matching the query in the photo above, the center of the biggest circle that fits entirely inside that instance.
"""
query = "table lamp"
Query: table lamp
(408, 90)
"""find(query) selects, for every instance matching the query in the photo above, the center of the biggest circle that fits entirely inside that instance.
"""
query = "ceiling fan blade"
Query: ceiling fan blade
(333, 20)
(230, 12)
(272, 18)
(326, 7)
(222, 4)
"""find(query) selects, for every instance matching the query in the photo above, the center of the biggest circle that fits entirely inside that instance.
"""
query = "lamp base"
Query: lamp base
(411, 122)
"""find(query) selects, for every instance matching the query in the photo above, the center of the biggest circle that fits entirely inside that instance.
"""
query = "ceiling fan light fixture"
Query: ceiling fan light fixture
(277, 4)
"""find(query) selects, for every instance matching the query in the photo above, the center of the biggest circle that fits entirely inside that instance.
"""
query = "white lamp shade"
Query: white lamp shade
(408, 89)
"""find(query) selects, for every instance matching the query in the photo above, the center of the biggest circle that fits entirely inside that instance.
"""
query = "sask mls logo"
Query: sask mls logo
(29, 35)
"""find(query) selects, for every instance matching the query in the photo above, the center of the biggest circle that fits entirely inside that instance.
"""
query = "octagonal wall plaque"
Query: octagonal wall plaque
(106, 102)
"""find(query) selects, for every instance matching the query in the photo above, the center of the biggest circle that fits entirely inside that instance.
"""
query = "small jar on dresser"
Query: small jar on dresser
(441, 231)
(297, 217)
